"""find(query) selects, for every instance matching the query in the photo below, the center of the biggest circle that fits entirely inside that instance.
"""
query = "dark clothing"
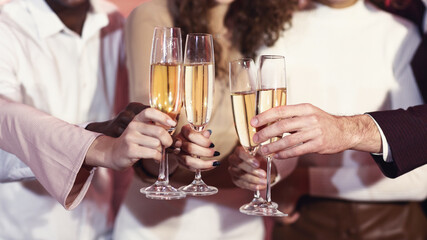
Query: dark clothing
(406, 130)
(406, 133)
(332, 219)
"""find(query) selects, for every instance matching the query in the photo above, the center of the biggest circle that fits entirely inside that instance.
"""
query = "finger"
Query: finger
(249, 169)
(305, 148)
(239, 178)
(193, 163)
(136, 152)
(281, 112)
(290, 219)
(150, 115)
(194, 149)
(288, 141)
(248, 177)
(245, 156)
(153, 131)
(148, 142)
(195, 137)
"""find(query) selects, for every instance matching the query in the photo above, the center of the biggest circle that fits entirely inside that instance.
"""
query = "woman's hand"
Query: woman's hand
(193, 145)
(142, 139)
(245, 170)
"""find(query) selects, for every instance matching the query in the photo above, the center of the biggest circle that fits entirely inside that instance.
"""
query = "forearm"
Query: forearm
(53, 149)
(361, 132)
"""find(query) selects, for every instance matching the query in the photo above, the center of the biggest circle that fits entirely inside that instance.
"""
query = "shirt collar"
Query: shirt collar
(48, 23)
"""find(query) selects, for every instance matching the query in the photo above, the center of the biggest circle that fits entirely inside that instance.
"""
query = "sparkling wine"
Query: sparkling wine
(199, 91)
(166, 89)
(243, 111)
(269, 98)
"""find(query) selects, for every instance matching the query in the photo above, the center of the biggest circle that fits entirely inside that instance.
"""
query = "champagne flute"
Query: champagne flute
(199, 77)
(166, 96)
(271, 93)
(243, 90)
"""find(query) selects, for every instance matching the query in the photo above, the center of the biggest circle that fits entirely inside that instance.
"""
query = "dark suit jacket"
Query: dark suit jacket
(406, 133)
(406, 130)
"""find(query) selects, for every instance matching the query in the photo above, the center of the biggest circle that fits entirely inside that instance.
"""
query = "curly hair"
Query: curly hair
(254, 23)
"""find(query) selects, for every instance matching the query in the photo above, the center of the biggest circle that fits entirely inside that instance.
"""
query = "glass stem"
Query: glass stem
(198, 176)
(163, 168)
(268, 191)
(257, 194)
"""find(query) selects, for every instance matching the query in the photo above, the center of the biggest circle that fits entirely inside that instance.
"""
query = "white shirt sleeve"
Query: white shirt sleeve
(12, 169)
(425, 17)
(386, 154)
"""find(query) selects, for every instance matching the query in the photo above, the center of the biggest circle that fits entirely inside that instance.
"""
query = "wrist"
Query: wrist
(98, 152)
(364, 134)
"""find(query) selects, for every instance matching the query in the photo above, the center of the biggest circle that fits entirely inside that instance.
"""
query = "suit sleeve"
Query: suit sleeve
(406, 133)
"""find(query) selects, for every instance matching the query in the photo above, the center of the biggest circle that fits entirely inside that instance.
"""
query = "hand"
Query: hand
(116, 126)
(191, 144)
(143, 138)
(314, 131)
(245, 170)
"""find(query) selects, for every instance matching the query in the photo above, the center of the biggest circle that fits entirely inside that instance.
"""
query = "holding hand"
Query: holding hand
(245, 170)
(192, 145)
(143, 138)
(314, 131)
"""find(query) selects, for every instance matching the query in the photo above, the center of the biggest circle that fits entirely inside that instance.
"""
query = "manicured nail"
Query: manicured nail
(216, 154)
(210, 132)
(212, 145)
(216, 163)
(254, 121)
(171, 122)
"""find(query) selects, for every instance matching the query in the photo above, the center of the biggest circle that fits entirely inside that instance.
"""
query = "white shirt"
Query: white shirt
(350, 61)
(45, 65)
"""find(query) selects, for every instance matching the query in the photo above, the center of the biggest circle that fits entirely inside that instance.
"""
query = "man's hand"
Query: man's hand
(116, 126)
(314, 131)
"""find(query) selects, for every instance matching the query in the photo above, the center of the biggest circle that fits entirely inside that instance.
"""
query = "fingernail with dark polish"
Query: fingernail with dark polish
(212, 145)
(210, 131)
(216, 163)
(216, 154)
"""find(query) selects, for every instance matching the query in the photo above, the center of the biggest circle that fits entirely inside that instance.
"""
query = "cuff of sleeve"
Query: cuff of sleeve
(77, 193)
(81, 179)
(386, 154)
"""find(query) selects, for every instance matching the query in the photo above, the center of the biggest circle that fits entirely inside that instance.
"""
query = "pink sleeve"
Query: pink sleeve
(53, 149)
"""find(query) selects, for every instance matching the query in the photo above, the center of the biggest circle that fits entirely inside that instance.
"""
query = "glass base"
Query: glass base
(254, 205)
(198, 188)
(162, 191)
(268, 209)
